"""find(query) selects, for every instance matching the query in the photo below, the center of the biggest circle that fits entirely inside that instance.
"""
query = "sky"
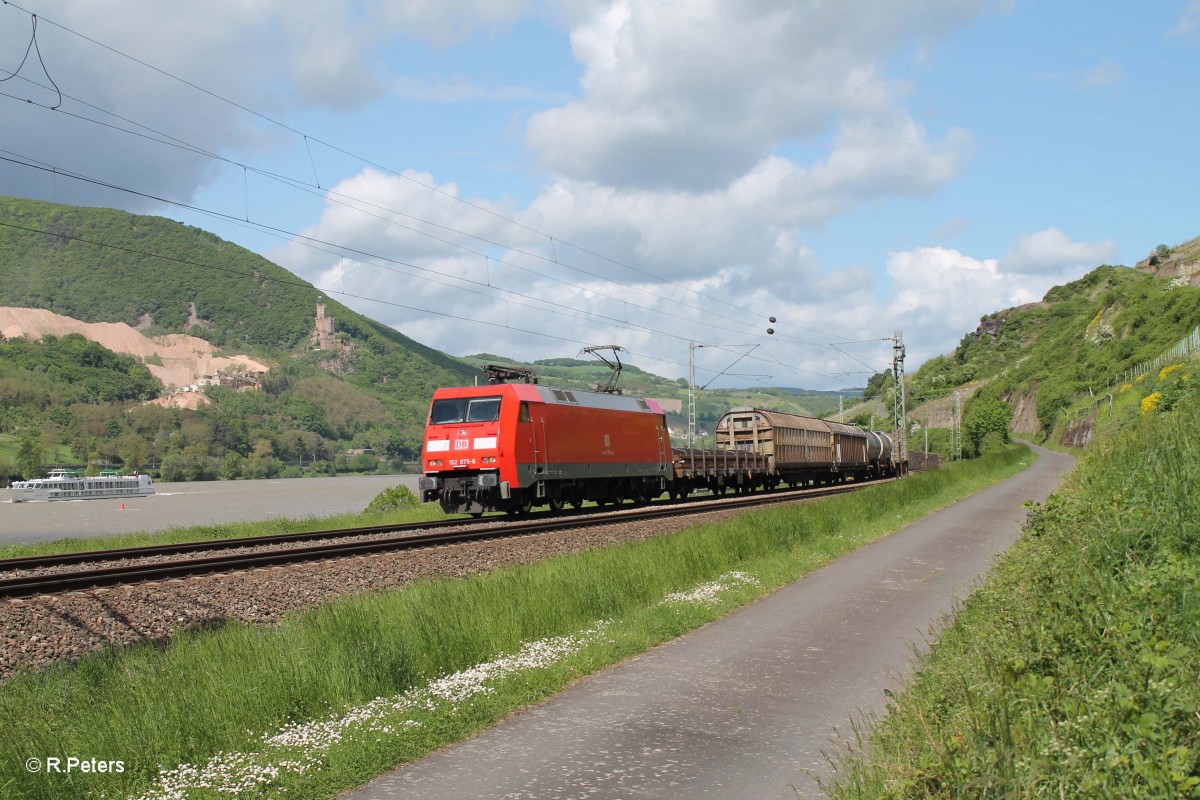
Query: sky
(531, 177)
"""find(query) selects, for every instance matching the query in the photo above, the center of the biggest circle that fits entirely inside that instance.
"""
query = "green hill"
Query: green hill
(1072, 347)
(102, 265)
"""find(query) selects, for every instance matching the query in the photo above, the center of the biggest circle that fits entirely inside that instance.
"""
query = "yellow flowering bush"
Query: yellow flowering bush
(1165, 371)
(1150, 402)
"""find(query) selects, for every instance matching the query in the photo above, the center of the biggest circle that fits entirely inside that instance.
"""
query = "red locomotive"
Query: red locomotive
(508, 447)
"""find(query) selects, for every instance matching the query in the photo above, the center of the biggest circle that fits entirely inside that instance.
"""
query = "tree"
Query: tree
(876, 383)
(985, 414)
(30, 454)
(132, 449)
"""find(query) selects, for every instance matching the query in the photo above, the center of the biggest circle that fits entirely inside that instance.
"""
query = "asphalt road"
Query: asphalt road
(745, 707)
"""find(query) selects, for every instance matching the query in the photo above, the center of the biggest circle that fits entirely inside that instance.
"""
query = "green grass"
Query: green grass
(220, 691)
(1072, 672)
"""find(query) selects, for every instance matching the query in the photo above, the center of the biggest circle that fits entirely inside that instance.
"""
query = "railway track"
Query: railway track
(281, 550)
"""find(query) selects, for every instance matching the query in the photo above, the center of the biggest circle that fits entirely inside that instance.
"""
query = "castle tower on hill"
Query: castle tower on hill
(322, 335)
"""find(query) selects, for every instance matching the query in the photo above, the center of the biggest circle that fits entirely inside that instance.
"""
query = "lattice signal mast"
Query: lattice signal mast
(901, 412)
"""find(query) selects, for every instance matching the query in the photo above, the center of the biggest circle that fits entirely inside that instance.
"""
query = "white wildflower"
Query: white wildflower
(297, 747)
(709, 593)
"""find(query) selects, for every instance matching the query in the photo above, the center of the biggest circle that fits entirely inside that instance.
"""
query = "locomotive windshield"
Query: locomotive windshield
(464, 409)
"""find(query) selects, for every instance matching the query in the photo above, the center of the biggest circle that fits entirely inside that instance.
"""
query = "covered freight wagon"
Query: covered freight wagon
(803, 450)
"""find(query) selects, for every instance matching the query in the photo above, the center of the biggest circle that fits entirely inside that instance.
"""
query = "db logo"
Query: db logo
(461, 444)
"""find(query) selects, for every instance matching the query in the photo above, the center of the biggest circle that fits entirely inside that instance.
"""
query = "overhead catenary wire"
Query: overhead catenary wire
(309, 138)
(292, 236)
(341, 250)
(343, 199)
(347, 200)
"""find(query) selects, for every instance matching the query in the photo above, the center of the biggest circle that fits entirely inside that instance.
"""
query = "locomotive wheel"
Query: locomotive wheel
(476, 514)
(577, 503)
(556, 504)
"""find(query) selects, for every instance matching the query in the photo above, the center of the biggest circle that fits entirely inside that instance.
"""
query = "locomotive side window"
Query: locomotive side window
(523, 414)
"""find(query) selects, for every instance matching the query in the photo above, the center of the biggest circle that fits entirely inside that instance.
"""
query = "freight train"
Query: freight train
(511, 447)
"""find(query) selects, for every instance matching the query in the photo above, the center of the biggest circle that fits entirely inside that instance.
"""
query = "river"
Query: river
(197, 503)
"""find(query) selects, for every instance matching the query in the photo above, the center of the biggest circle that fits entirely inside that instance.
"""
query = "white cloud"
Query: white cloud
(1188, 26)
(266, 55)
(693, 95)
(1052, 252)
(720, 252)
(444, 22)
(670, 159)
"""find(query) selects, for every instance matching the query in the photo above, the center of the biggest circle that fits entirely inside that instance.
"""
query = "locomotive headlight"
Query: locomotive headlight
(435, 462)
(489, 459)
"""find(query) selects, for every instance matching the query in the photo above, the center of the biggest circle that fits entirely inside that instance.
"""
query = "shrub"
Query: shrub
(392, 499)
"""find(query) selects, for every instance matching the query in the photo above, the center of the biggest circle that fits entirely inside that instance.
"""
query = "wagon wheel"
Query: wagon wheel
(521, 506)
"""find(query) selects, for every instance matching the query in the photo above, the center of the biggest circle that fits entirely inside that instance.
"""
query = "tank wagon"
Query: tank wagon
(508, 447)
(805, 450)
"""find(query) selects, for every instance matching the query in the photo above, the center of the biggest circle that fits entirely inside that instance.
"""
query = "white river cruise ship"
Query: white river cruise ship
(62, 484)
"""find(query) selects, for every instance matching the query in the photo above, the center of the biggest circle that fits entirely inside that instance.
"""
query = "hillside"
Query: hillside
(175, 359)
(160, 276)
(1071, 347)
(140, 284)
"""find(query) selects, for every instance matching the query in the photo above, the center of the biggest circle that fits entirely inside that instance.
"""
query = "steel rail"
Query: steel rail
(54, 583)
(145, 551)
